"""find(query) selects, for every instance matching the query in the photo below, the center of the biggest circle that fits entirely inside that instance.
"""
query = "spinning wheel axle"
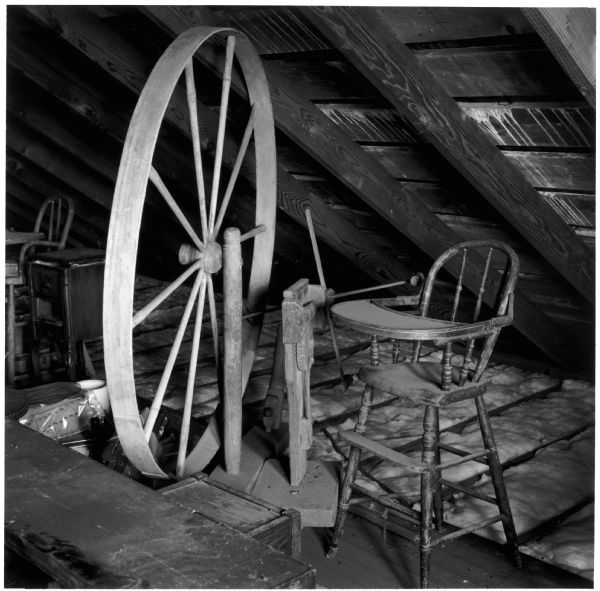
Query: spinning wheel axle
(211, 257)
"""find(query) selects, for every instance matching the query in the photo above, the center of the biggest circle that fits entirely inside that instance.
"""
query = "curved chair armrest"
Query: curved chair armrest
(30, 244)
(483, 328)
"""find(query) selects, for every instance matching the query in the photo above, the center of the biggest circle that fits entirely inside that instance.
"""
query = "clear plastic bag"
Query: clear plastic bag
(63, 419)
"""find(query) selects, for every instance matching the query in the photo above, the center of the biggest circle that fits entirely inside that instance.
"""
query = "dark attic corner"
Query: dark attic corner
(299, 297)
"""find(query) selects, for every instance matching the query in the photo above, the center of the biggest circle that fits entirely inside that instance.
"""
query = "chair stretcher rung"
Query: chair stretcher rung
(466, 458)
(469, 491)
(455, 450)
(387, 500)
(382, 451)
(466, 530)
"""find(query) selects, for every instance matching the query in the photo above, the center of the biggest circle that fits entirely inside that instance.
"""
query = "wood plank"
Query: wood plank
(295, 114)
(564, 125)
(425, 24)
(570, 34)
(554, 125)
(500, 71)
(482, 73)
(128, 66)
(55, 497)
(369, 44)
(546, 171)
(577, 209)
(282, 30)
(557, 171)
(469, 562)
(315, 497)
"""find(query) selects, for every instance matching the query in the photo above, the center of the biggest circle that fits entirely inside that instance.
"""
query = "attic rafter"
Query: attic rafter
(570, 34)
(335, 150)
(371, 46)
(88, 35)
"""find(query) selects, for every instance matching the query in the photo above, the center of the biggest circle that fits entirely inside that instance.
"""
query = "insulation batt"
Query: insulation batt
(535, 492)
(571, 546)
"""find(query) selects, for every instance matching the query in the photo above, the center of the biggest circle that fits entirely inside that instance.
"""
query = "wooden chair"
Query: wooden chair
(432, 386)
(52, 224)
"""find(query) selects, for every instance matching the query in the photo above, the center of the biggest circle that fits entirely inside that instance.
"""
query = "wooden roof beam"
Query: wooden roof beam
(88, 35)
(298, 118)
(372, 47)
(570, 34)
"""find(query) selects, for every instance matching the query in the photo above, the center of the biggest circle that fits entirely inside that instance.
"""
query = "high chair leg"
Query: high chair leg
(344, 500)
(351, 469)
(428, 481)
(438, 503)
(498, 480)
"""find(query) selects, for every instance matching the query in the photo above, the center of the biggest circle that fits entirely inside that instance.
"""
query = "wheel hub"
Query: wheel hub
(211, 256)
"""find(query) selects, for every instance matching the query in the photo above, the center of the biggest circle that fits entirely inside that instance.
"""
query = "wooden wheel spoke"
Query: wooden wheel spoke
(162, 189)
(254, 232)
(142, 314)
(214, 322)
(236, 169)
(195, 131)
(189, 393)
(221, 130)
(166, 375)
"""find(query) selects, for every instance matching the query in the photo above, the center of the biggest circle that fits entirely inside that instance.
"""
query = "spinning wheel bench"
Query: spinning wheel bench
(88, 526)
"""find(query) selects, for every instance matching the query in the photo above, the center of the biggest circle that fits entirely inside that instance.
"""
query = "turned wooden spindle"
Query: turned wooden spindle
(375, 350)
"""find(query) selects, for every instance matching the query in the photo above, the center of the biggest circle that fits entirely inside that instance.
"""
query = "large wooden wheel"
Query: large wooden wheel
(202, 257)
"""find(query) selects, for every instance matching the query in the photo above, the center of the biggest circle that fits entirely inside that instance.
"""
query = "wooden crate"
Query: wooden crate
(276, 527)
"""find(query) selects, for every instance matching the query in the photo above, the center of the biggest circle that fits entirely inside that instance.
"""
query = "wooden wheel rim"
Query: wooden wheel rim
(125, 223)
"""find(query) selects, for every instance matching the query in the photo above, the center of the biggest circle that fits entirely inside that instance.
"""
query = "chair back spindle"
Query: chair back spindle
(53, 223)
(490, 278)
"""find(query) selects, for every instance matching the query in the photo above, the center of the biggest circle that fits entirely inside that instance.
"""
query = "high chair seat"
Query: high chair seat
(418, 382)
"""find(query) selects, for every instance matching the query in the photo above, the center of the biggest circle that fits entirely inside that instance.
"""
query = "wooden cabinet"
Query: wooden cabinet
(66, 294)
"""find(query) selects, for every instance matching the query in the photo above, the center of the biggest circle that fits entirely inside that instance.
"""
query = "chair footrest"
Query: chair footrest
(358, 440)
(465, 530)
(475, 456)
(468, 491)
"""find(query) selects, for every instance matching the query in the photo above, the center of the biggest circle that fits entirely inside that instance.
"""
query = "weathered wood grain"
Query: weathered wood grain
(343, 157)
(463, 72)
(55, 497)
(370, 45)
(177, 20)
(496, 71)
(129, 67)
(282, 30)
(553, 125)
(540, 124)
(570, 34)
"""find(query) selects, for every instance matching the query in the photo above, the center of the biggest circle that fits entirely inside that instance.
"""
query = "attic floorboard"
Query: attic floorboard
(365, 560)
(155, 339)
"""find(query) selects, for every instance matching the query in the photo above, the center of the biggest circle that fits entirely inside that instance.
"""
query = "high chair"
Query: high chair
(489, 269)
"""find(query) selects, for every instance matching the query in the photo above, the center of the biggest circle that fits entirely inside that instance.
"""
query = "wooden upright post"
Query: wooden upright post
(232, 354)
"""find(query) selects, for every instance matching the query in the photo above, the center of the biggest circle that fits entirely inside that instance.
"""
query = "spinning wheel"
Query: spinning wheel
(203, 258)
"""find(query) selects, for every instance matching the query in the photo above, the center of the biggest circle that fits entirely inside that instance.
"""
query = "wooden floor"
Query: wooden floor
(366, 561)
